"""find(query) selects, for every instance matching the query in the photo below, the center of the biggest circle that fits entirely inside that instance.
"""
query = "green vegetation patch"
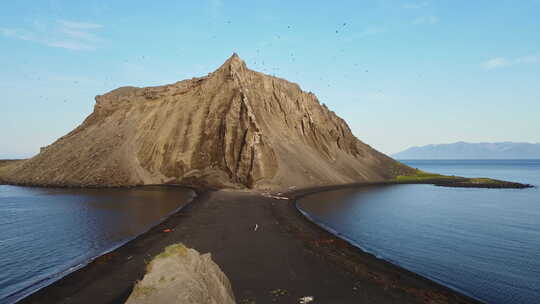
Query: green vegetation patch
(484, 180)
(143, 290)
(423, 176)
(454, 181)
(174, 249)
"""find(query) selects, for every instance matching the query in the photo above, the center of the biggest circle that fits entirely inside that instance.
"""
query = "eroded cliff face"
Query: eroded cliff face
(233, 128)
(182, 275)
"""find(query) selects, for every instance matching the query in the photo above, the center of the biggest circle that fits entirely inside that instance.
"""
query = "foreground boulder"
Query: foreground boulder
(235, 128)
(182, 275)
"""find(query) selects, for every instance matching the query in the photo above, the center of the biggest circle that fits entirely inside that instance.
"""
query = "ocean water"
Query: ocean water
(47, 233)
(482, 242)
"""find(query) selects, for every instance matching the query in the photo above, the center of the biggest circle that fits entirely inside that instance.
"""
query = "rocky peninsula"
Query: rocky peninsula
(250, 144)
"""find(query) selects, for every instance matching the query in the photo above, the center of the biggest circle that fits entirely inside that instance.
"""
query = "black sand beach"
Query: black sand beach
(285, 258)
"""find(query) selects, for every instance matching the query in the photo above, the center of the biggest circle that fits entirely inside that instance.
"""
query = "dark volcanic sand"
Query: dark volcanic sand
(286, 252)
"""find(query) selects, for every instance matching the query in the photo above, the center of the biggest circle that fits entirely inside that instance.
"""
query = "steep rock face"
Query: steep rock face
(182, 275)
(233, 128)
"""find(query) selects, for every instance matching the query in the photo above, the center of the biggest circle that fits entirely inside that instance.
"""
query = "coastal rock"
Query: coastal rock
(235, 128)
(182, 275)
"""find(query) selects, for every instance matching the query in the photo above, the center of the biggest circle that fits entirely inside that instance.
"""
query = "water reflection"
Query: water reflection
(483, 242)
(47, 231)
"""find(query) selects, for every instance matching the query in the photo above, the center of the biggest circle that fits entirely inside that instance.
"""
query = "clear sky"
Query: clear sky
(401, 73)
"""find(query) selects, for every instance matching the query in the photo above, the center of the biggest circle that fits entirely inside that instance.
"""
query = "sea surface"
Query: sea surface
(482, 242)
(48, 233)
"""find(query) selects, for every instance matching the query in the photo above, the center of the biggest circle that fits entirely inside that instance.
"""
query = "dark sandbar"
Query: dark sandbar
(286, 252)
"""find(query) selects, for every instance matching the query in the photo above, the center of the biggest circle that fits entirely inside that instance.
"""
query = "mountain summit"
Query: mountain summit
(233, 128)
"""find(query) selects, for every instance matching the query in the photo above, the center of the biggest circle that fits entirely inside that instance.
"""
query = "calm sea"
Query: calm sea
(47, 233)
(482, 242)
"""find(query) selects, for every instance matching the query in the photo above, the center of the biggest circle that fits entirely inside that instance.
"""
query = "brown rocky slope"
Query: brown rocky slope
(233, 128)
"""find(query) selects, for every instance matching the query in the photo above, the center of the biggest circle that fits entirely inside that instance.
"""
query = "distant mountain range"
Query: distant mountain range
(463, 150)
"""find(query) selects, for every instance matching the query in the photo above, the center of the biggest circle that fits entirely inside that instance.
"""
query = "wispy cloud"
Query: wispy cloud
(501, 62)
(426, 20)
(72, 35)
(529, 59)
(495, 63)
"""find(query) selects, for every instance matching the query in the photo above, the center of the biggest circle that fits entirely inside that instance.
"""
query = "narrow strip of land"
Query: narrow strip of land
(269, 251)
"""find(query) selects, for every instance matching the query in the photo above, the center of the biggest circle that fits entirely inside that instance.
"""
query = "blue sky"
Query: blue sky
(401, 73)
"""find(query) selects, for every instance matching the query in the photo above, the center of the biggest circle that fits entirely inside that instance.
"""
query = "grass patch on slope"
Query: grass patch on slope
(171, 250)
(484, 180)
(455, 181)
(420, 176)
(174, 249)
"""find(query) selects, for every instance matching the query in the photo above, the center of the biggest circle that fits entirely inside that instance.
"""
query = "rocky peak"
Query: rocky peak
(233, 65)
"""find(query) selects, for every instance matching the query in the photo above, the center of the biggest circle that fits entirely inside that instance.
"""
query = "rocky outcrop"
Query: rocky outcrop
(233, 128)
(182, 275)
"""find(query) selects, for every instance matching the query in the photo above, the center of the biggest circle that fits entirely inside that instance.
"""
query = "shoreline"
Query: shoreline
(357, 250)
(453, 182)
(116, 248)
(352, 243)
(20, 295)
(110, 277)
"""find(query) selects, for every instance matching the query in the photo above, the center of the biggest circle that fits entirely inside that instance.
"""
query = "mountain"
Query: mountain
(463, 150)
(233, 128)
